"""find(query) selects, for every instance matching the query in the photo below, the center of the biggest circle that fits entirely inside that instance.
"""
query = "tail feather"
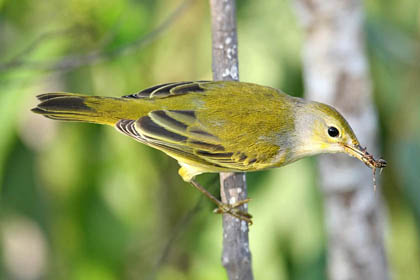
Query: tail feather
(74, 107)
(46, 96)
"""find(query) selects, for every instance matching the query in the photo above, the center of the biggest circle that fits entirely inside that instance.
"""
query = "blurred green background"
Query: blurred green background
(81, 201)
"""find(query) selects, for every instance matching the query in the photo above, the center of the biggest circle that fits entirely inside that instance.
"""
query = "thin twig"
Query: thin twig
(179, 229)
(17, 60)
(69, 62)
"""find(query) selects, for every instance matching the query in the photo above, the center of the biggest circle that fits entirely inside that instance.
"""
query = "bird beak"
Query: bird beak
(361, 153)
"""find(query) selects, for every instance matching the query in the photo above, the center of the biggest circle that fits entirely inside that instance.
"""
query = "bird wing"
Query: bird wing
(181, 135)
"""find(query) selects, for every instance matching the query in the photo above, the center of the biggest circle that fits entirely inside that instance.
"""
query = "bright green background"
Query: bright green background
(81, 201)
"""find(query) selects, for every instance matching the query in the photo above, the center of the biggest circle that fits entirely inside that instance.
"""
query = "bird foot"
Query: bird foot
(231, 209)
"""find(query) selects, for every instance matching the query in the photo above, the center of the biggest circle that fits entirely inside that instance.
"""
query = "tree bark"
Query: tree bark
(236, 256)
(336, 72)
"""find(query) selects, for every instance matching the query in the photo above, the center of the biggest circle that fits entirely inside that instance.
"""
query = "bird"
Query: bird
(217, 126)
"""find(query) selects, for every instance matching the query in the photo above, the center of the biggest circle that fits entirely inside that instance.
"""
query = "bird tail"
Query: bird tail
(80, 108)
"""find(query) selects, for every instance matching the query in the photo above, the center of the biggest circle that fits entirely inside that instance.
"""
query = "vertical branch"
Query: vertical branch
(236, 257)
(336, 73)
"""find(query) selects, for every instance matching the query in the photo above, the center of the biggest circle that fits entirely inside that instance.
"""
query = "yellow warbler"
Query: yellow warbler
(216, 126)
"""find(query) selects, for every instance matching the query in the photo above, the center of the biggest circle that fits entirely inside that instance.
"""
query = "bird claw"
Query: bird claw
(232, 210)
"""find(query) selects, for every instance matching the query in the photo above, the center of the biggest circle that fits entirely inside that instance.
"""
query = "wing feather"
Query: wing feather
(168, 90)
(180, 132)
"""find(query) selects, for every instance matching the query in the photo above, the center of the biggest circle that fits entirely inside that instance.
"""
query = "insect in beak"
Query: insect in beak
(361, 153)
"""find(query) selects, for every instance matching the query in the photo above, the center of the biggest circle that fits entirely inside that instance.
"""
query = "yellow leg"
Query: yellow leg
(188, 172)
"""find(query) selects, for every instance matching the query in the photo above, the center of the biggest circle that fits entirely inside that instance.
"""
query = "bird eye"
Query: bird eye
(333, 131)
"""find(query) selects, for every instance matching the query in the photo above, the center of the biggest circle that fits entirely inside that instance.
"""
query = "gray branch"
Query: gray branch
(336, 73)
(236, 257)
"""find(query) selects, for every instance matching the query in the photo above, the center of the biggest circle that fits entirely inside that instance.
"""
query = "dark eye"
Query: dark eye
(333, 131)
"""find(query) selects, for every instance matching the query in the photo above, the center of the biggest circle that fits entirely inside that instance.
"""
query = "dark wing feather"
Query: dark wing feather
(169, 89)
(180, 133)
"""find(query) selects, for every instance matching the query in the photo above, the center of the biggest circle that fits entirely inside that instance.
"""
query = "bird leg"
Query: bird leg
(225, 208)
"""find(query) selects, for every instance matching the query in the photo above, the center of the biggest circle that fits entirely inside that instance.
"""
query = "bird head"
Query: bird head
(320, 129)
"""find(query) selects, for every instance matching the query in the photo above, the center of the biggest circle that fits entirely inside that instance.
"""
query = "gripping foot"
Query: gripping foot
(225, 208)
(231, 209)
